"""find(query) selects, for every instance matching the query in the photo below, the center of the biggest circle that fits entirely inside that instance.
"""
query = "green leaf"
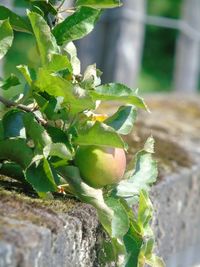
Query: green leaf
(91, 77)
(99, 4)
(120, 220)
(74, 97)
(106, 254)
(145, 214)
(77, 25)
(35, 131)
(9, 82)
(26, 73)
(41, 177)
(6, 37)
(147, 256)
(71, 51)
(59, 136)
(119, 92)
(45, 40)
(99, 134)
(16, 150)
(58, 150)
(45, 6)
(58, 62)
(132, 249)
(17, 22)
(47, 106)
(141, 174)
(155, 261)
(13, 124)
(123, 120)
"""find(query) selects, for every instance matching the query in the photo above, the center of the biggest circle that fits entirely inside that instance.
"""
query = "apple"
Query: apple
(100, 166)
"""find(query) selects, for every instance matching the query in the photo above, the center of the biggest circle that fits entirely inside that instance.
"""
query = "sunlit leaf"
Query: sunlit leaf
(99, 4)
(123, 120)
(142, 173)
(6, 37)
(71, 51)
(74, 97)
(26, 73)
(17, 22)
(58, 150)
(58, 62)
(77, 25)
(120, 220)
(99, 134)
(119, 92)
(45, 40)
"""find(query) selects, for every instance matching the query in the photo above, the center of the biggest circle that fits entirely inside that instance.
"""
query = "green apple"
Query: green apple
(100, 166)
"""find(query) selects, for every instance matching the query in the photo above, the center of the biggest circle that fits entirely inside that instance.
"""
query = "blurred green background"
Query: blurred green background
(159, 48)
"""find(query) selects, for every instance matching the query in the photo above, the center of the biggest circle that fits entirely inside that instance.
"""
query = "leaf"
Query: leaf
(119, 92)
(58, 150)
(155, 261)
(140, 176)
(99, 134)
(91, 77)
(40, 176)
(13, 124)
(47, 106)
(120, 220)
(9, 82)
(59, 136)
(16, 150)
(99, 4)
(35, 131)
(71, 51)
(147, 256)
(26, 73)
(17, 22)
(132, 250)
(145, 214)
(6, 37)
(58, 62)
(74, 97)
(123, 120)
(45, 40)
(45, 7)
(77, 25)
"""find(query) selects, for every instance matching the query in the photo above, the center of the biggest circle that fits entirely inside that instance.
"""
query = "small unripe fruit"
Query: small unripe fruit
(100, 166)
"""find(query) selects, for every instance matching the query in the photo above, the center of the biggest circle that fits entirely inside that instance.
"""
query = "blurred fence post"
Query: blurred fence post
(187, 62)
(116, 44)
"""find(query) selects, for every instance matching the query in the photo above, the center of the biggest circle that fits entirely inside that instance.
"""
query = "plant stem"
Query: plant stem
(9, 103)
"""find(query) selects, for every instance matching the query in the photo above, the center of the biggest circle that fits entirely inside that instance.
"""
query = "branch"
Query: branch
(9, 103)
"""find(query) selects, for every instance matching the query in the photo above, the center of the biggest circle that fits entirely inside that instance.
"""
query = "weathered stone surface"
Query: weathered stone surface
(35, 234)
(65, 233)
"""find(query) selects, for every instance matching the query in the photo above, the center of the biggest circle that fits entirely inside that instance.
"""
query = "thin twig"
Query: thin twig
(9, 103)
(61, 4)
(67, 10)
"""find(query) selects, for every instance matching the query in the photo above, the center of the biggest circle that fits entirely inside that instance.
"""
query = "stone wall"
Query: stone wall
(66, 233)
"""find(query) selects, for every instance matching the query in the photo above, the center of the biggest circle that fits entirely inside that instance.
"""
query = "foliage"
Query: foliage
(42, 128)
